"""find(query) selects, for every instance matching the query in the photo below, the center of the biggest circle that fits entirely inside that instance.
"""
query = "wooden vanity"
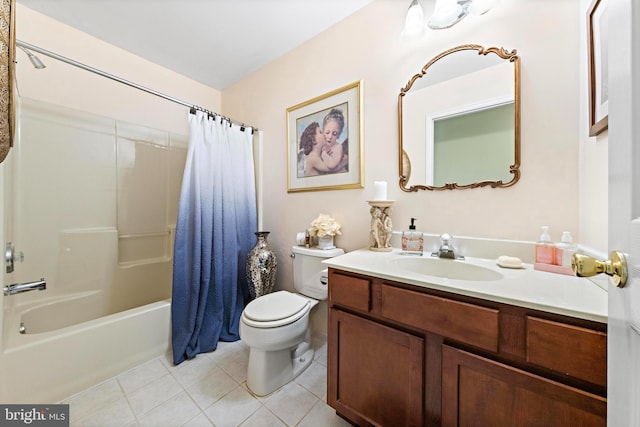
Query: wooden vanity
(400, 354)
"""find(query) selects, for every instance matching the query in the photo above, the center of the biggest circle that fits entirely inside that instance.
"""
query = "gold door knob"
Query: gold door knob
(616, 267)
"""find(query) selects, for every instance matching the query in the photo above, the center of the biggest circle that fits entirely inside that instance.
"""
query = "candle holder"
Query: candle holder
(381, 226)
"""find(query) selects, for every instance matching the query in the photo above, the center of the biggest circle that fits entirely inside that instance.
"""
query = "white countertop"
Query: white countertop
(526, 287)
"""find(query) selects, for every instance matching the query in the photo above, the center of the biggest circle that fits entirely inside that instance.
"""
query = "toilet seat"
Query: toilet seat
(275, 309)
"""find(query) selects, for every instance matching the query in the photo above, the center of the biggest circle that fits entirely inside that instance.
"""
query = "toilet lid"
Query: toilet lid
(275, 306)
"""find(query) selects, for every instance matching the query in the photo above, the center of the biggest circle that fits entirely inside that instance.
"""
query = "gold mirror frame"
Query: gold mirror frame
(514, 169)
(7, 47)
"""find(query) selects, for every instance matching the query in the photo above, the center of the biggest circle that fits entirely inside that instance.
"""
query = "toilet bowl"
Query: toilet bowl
(276, 326)
(279, 339)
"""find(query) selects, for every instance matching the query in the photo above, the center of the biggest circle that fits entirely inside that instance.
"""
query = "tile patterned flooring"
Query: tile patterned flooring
(209, 390)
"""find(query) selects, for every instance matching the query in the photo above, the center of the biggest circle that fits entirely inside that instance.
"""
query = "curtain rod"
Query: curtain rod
(192, 107)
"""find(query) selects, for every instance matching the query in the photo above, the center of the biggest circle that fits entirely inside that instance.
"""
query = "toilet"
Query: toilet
(276, 326)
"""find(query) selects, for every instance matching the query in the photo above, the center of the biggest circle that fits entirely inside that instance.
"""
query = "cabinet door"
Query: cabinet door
(481, 392)
(376, 374)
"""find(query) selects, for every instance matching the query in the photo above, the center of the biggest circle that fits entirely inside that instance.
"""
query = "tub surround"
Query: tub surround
(104, 248)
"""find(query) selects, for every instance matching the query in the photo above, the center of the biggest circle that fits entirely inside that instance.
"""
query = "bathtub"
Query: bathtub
(69, 344)
(61, 312)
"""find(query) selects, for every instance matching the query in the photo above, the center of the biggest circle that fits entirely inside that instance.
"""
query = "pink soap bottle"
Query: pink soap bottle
(545, 249)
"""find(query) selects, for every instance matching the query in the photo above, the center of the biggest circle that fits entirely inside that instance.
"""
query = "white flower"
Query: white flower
(324, 225)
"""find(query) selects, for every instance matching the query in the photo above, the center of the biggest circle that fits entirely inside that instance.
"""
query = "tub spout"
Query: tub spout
(17, 288)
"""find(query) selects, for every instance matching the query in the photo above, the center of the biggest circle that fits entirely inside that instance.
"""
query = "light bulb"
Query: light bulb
(480, 7)
(414, 21)
(446, 13)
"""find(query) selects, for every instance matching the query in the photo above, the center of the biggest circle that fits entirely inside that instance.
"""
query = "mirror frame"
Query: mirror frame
(8, 45)
(404, 163)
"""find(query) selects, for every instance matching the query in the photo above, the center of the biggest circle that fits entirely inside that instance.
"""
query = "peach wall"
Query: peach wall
(593, 170)
(367, 46)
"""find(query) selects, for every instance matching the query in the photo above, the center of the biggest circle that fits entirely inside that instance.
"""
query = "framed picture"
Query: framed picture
(597, 40)
(324, 141)
(7, 70)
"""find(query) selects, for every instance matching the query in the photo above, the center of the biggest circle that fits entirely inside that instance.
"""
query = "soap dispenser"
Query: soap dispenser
(565, 250)
(412, 240)
(545, 249)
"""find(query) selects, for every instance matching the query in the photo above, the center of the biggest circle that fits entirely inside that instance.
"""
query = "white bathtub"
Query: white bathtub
(60, 312)
(58, 357)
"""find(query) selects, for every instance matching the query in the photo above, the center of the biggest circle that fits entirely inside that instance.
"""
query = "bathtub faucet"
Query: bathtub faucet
(16, 288)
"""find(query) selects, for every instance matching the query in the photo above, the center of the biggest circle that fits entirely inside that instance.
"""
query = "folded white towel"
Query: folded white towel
(509, 261)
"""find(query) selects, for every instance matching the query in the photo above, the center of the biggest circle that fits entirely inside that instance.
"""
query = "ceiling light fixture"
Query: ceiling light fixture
(414, 21)
(446, 13)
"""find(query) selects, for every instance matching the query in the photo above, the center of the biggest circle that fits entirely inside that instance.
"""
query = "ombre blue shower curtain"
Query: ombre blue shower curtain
(214, 233)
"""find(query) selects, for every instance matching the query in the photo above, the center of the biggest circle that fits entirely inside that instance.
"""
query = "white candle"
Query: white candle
(379, 190)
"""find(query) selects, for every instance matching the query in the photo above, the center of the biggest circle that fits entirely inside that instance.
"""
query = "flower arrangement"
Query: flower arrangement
(324, 225)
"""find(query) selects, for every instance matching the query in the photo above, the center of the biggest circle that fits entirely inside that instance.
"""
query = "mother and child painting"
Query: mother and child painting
(321, 151)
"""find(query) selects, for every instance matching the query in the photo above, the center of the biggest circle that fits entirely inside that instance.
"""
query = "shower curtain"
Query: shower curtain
(214, 233)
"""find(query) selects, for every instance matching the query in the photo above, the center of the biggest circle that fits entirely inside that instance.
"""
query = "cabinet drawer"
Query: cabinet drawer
(349, 291)
(468, 323)
(571, 350)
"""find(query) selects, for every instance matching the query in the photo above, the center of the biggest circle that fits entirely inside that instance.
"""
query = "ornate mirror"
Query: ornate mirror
(459, 121)
(7, 47)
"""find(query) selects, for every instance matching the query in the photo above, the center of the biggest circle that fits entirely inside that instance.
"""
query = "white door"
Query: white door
(624, 211)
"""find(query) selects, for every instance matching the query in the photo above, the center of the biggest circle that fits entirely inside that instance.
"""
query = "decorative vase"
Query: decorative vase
(261, 267)
(325, 242)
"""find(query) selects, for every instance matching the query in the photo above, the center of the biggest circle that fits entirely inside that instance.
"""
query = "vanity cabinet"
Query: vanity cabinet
(385, 381)
(400, 354)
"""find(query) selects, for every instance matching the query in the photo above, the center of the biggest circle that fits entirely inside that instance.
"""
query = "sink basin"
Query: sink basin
(447, 268)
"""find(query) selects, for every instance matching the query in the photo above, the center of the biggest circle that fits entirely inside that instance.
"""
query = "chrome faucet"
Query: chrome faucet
(16, 288)
(446, 249)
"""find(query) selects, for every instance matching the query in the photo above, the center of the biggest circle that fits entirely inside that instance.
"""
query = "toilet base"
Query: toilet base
(270, 370)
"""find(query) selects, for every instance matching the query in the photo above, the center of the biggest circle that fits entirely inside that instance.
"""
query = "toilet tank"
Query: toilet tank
(309, 274)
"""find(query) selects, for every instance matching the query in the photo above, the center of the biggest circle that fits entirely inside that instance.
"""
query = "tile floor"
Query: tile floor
(209, 390)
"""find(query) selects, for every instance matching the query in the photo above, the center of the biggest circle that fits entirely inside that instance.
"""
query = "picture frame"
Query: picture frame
(7, 60)
(597, 42)
(324, 141)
